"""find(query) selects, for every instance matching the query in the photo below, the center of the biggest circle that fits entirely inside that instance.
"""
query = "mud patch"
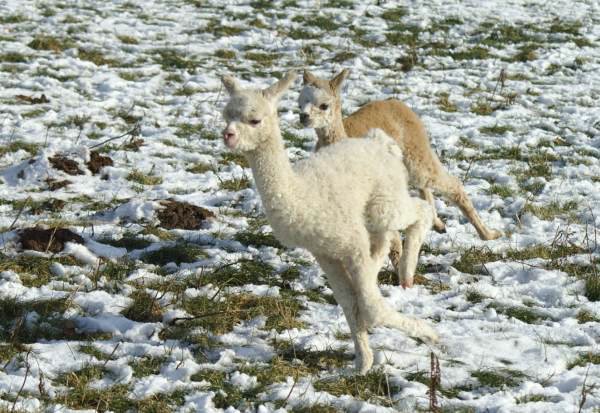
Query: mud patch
(55, 185)
(32, 99)
(182, 215)
(62, 163)
(47, 240)
(97, 162)
(133, 145)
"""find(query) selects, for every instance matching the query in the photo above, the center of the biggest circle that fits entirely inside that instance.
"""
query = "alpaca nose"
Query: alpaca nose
(304, 117)
(227, 135)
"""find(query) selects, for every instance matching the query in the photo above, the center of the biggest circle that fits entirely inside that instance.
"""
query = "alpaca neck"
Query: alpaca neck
(332, 133)
(272, 172)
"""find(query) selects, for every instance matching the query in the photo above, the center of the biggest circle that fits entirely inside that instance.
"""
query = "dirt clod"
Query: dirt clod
(97, 162)
(32, 99)
(134, 145)
(55, 185)
(182, 215)
(51, 240)
(62, 163)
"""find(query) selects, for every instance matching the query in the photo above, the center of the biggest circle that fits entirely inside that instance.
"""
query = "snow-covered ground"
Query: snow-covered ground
(509, 93)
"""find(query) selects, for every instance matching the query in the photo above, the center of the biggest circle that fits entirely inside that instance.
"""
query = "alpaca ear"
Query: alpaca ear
(309, 78)
(231, 84)
(336, 82)
(276, 90)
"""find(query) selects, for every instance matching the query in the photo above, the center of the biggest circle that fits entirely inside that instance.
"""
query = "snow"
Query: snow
(555, 100)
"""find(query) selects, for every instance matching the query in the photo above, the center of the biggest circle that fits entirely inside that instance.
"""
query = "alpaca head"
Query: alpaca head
(251, 114)
(320, 99)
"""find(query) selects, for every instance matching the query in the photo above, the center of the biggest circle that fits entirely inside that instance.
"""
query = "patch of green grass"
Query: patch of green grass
(510, 152)
(374, 387)
(220, 30)
(474, 296)
(262, 59)
(423, 377)
(125, 39)
(200, 168)
(301, 33)
(34, 271)
(171, 59)
(503, 34)
(91, 350)
(144, 307)
(96, 57)
(583, 359)
(13, 57)
(12, 19)
(445, 104)
(564, 26)
(503, 191)
(10, 350)
(55, 44)
(15, 146)
(395, 14)
(527, 52)
(343, 56)
(532, 398)
(586, 316)
(129, 241)
(474, 258)
(496, 129)
(177, 253)
(525, 314)
(145, 366)
(551, 210)
(474, 53)
(187, 130)
(225, 54)
(241, 273)
(50, 322)
(292, 139)
(34, 113)
(236, 184)
(239, 159)
(258, 239)
(131, 76)
(500, 378)
(220, 315)
(143, 179)
(482, 108)
(325, 22)
(314, 360)
(403, 35)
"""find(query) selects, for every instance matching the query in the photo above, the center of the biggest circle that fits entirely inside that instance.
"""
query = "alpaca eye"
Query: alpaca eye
(254, 122)
(324, 106)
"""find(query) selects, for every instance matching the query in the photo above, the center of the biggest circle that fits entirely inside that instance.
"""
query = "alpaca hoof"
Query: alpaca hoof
(363, 364)
(492, 235)
(407, 284)
(439, 226)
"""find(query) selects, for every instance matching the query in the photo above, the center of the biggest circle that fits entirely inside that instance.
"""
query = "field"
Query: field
(169, 292)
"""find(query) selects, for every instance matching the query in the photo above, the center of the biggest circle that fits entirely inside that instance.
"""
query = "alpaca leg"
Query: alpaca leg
(414, 237)
(396, 252)
(346, 297)
(377, 312)
(438, 224)
(362, 272)
(454, 190)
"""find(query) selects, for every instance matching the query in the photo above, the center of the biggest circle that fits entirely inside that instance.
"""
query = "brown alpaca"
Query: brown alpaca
(321, 108)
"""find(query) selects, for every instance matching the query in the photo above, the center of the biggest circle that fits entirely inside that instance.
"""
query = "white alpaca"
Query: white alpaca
(340, 207)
